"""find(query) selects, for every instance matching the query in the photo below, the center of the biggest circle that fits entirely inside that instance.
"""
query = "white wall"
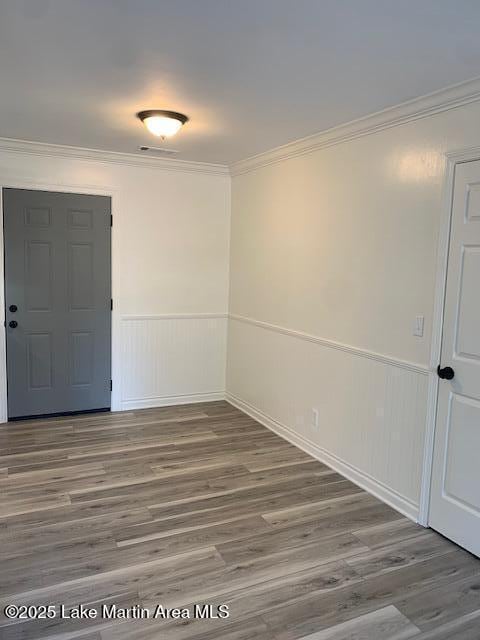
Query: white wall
(333, 254)
(170, 245)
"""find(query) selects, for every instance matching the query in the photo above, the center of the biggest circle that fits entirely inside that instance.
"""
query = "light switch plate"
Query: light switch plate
(418, 326)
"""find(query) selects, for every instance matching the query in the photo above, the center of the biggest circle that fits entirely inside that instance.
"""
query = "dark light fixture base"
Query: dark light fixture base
(151, 113)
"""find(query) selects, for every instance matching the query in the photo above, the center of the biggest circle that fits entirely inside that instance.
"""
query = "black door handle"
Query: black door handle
(13, 324)
(447, 373)
(13, 308)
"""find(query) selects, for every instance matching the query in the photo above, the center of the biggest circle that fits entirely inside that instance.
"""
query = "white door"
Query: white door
(455, 497)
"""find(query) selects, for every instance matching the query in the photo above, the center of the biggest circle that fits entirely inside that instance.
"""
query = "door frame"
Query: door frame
(80, 188)
(451, 159)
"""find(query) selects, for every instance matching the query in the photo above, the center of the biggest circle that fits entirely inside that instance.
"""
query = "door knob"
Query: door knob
(13, 308)
(13, 324)
(447, 373)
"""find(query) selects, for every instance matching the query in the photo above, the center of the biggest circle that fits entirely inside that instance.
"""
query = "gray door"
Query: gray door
(57, 298)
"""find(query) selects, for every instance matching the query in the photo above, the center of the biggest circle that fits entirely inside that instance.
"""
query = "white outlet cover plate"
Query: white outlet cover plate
(419, 326)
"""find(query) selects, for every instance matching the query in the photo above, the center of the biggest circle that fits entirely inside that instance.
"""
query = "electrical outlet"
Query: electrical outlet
(315, 418)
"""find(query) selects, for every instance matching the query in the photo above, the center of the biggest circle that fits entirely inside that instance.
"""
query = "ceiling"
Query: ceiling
(250, 74)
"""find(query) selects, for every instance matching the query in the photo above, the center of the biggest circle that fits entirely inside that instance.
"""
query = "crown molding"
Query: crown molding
(42, 149)
(444, 100)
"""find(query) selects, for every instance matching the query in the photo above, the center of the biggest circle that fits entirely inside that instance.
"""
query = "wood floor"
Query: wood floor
(201, 504)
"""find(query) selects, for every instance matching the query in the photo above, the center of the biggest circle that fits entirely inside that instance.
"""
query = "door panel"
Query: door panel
(472, 208)
(460, 482)
(38, 276)
(39, 360)
(80, 219)
(82, 364)
(58, 275)
(38, 217)
(467, 333)
(80, 275)
(455, 495)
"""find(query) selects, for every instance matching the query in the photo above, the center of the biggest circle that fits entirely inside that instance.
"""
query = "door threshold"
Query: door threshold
(41, 416)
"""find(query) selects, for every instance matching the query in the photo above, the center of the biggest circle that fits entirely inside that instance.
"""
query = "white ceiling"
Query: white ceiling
(250, 74)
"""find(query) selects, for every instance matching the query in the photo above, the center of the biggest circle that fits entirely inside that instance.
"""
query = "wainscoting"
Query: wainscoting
(372, 408)
(172, 359)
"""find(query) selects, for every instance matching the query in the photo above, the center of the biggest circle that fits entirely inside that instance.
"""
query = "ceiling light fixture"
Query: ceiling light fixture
(162, 123)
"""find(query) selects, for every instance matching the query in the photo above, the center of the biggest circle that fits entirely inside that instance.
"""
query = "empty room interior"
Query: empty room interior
(240, 287)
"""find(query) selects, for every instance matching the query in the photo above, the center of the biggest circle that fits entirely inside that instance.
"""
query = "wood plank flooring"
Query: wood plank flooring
(200, 504)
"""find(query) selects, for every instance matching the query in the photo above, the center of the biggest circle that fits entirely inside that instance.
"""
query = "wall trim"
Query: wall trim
(48, 150)
(357, 476)
(452, 158)
(166, 401)
(332, 344)
(446, 99)
(174, 316)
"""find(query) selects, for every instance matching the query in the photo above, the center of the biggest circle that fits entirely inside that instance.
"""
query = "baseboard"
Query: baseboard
(360, 478)
(166, 401)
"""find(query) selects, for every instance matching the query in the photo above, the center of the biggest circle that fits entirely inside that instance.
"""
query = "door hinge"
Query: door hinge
(111, 304)
(111, 220)
(111, 386)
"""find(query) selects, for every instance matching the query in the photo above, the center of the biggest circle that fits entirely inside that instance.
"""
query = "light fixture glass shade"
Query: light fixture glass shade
(161, 126)
(162, 123)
